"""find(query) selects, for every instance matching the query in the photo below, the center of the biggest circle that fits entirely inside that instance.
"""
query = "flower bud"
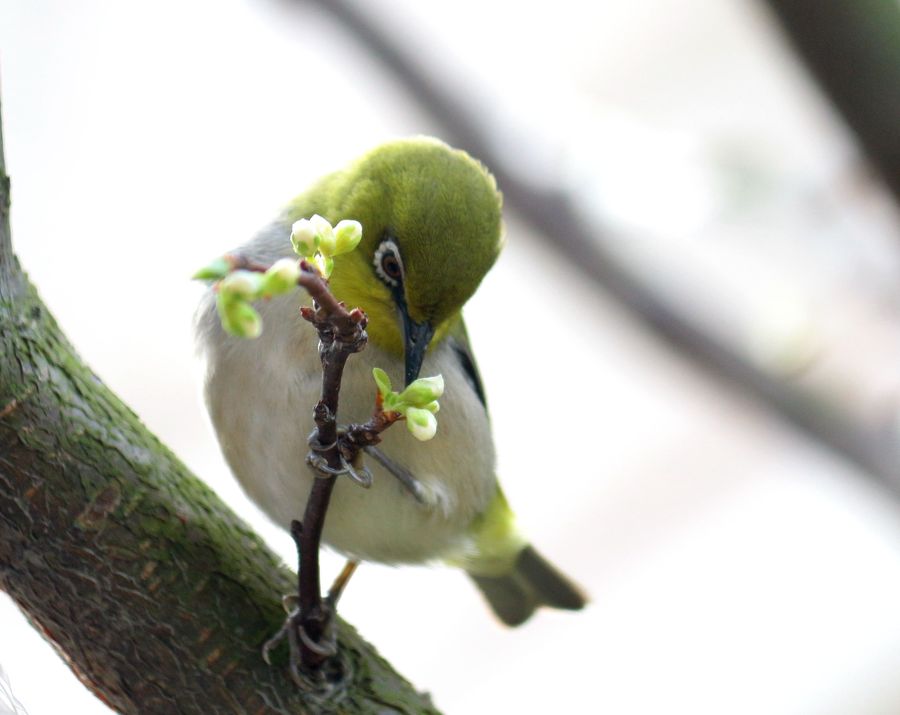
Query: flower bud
(281, 277)
(239, 318)
(245, 285)
(303, 238)
(214, 271)
(324, 264)
(324, 235)
(423, 391)
(347, 235)
(421, 423)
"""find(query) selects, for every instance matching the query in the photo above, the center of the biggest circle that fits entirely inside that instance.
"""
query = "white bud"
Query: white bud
(303, 238)
(324, 234)
(239, 318)
(241, 284)
(281, 277)
(421, 423)
(347, 235)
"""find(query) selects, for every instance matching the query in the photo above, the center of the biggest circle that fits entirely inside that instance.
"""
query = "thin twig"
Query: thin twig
(341, 333)
(332, 453)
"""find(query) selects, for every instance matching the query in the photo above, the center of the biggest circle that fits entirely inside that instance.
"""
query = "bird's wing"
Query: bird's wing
(459, 339)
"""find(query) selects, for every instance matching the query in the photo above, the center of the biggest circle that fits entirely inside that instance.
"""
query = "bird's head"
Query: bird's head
(431, 230)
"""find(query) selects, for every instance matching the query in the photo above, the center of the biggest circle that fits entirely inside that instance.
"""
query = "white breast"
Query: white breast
(260, 394)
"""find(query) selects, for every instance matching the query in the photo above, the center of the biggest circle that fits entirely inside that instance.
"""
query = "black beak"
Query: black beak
(417, 336)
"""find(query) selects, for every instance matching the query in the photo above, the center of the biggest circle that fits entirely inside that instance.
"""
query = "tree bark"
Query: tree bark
(153, 591)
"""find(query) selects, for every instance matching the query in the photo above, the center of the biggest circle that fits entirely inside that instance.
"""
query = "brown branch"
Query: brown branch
(341, 333)
(332, 453)
(309, 627)
(357, 437)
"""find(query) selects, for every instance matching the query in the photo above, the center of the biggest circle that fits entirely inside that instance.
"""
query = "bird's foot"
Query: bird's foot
(358, 473)
(327, 681)
(402, 474)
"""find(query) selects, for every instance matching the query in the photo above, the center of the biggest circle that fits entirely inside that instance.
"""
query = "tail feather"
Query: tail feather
(512, 603)
(532, 582)
(553, 589)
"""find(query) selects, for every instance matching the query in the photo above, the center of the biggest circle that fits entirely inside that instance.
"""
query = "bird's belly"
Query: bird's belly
(262, 412)
(384, 523)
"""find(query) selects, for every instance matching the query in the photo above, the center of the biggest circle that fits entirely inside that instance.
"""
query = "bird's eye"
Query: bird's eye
(391, 266)
(388, 265)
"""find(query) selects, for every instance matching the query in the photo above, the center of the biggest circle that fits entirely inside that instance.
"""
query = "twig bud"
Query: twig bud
(281, 277)
(421, 423)
(324, 264)
(238, 317)
(324, 235)
(347, 235)
(245, 285)
(215, 271)
(303, 238)
(423, 391)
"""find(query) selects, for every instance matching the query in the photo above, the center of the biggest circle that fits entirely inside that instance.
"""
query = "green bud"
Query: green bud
(324, 235)
(382, 380)
(215, 271)
(303, 238)
(423, 391)
(280, 278)
(245, 285)
(325, 264)
(238, 317)
(433, 407)
(421, 423)
(347, 235)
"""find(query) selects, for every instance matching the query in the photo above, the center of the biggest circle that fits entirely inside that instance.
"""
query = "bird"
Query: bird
(432, 227)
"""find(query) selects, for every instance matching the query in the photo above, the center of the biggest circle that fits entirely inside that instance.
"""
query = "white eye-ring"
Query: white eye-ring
(387, 262)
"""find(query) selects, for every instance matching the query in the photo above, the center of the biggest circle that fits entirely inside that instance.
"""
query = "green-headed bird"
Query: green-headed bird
(431, 219)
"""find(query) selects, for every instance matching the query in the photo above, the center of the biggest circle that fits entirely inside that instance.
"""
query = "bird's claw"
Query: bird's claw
(295, 633)
(363, 476)
(283, 632)
(360, 475)
(327, 648)
(290, 602)
(315, 445)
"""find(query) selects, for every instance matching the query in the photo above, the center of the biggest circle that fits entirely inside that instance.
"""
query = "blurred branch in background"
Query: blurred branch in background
(534, 188)
(852, 47)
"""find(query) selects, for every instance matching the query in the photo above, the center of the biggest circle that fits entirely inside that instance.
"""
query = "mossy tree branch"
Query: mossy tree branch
(154, 592)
